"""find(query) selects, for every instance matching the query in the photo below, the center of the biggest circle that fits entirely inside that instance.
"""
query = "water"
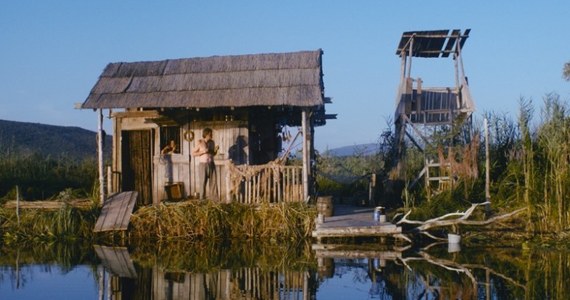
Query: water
(246, 271)
(47, 281)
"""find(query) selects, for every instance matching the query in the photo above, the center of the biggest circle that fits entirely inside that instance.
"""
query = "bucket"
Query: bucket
(452, 248)
(453, 238)
(325, 206)
(379, 214)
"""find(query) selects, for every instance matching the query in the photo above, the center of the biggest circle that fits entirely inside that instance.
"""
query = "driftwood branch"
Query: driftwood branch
(450, 265)
(492, 271)
(461, 219)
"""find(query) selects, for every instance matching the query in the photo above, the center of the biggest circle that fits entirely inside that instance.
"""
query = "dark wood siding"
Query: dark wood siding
(137, 158)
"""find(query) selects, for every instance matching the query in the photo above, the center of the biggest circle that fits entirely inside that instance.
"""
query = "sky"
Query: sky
(52, 52)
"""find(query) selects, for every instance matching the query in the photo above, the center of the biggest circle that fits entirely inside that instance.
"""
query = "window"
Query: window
(168, 134)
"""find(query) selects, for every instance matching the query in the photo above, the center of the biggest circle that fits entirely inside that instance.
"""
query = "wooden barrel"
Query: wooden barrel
(325, 206)
(325, 267)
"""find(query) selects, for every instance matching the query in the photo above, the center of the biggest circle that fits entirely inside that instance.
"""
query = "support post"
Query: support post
(100, 138)
(18, 204)
(371, 189)
(306, 162)
(411, 54)
(101, 282)
(487, 165)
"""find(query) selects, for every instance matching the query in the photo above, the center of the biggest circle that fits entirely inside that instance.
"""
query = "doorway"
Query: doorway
(137, 164)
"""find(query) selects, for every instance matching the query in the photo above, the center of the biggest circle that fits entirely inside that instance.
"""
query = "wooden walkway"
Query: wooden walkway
(350, 221)
(116, 212)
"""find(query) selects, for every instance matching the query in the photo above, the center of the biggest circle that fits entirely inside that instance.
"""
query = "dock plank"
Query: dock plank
(345, 251)
(350, 221)
(116, 212)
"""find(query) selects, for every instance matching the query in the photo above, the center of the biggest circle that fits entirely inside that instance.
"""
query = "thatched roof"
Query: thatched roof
(280, 79)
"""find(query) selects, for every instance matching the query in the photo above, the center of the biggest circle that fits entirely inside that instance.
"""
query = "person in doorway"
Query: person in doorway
(205, 151)
(237, 153)
(166, 157)
(170, 148)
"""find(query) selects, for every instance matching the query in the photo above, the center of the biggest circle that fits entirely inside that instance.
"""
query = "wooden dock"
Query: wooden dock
(116, 212)
(346, 251)
(350, 221)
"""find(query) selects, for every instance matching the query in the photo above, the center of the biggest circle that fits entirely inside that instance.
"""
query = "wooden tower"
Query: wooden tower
(423, 113)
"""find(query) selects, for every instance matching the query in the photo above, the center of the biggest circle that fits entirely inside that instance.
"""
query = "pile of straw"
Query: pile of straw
(197, 220)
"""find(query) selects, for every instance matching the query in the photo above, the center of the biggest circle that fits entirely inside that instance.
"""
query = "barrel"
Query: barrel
(325, 267)
(325, 206)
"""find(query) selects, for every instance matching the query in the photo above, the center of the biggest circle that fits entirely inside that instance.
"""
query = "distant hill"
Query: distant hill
(366, 149)
(55, 141)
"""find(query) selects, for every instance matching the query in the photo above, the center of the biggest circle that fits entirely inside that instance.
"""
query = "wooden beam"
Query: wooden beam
(304, 125)
(487, 163)
(414, 142)
(100, 138)
(407, 120)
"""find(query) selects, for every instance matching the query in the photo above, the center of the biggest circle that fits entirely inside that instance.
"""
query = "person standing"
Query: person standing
(205, 151)
(166, 157)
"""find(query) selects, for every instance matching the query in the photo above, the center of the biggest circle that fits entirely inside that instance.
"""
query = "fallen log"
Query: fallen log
(49, 205)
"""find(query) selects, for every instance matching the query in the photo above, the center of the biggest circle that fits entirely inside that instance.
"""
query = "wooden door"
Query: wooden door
(137, 164)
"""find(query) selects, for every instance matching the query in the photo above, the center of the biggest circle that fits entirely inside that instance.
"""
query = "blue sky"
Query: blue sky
(52, 52)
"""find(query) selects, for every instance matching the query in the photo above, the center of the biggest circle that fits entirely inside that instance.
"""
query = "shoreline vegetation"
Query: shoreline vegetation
(529, 168)
(188, 221)
(212, 222)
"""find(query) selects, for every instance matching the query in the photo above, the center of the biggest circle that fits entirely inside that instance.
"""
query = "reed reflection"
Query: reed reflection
(301, 271)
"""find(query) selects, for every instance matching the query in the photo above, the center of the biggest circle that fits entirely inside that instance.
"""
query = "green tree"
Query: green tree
(566, 71)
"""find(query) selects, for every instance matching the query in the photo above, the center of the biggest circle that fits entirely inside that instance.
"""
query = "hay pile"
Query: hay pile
(196, 220)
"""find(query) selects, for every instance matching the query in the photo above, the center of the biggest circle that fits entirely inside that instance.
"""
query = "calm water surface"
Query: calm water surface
(284, 272)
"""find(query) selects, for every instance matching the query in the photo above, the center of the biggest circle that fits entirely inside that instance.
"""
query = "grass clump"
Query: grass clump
(198, 220)
(34, 225)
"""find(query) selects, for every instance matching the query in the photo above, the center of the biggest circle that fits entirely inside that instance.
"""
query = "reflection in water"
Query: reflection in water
(210, 271)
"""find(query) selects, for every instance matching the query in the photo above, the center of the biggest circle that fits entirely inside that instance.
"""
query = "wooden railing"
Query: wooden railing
(269, 183)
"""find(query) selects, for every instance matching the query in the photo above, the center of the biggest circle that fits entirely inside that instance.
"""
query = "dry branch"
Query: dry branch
(462, 220)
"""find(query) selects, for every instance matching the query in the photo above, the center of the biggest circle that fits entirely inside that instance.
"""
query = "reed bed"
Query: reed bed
(198, 220)
(536, 172)
(36, 225)
(208, 255)
(40, 178)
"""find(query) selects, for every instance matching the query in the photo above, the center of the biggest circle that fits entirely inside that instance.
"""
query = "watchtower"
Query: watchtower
(423, 113)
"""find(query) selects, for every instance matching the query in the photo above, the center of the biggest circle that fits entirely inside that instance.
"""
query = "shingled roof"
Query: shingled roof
(277, 79)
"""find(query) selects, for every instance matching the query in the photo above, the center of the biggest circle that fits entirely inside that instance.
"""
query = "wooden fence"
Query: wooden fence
(242, 283)
(246, 184)
(270, 183)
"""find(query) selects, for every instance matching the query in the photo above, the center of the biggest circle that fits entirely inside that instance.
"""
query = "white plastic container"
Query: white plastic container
(379, 214)
(453, 238)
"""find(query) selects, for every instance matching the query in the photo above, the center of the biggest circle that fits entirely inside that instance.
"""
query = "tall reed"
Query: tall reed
(197, 220)
(536, 172)
(35, 225)
(41, 177)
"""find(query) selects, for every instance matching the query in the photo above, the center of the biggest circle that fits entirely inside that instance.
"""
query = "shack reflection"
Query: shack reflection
(433, 272)
(244, 283)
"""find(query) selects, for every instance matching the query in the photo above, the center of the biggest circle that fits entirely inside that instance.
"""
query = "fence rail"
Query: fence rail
(270, 183)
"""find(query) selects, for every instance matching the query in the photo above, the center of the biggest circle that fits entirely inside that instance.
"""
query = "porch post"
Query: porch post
(100, 138)
(304, 125)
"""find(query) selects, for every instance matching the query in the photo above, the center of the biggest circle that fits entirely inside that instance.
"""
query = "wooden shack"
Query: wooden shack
(249, 101)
